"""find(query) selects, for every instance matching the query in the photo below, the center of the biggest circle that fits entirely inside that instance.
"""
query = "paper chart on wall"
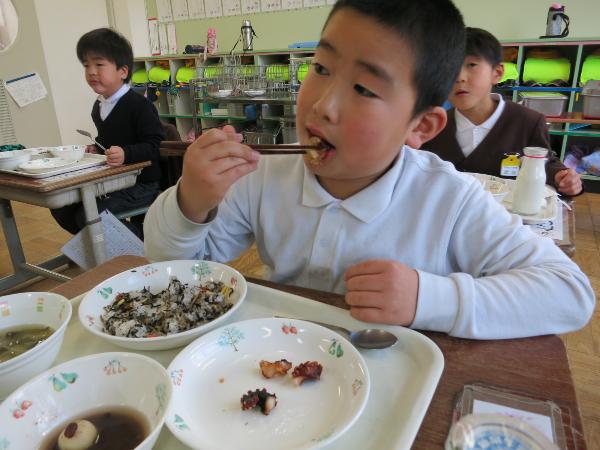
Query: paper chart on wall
(26, 89)
(163, 38)
(196, 9)
(331, 2)
(270, 5)
(291, 4)
(153, 36)
(180, 9)
(310, 3)
(231, 7)
(212, 8)
(163, 8)
(172, 38)
(250, 6)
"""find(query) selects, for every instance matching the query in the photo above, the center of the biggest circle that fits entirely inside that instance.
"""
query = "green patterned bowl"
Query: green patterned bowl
(211, 374)
(72, 390)
(156, 277)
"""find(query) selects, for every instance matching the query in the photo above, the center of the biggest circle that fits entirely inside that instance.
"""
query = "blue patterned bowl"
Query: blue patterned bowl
(156, 277)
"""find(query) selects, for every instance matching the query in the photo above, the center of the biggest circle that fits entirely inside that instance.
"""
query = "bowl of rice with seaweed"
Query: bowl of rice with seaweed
(162, 305)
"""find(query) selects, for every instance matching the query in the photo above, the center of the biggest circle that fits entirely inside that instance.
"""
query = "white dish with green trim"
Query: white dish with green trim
(211, 375)
(155, 277)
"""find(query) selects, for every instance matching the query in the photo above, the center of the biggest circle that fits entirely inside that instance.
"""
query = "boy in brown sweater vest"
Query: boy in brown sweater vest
(482, 128)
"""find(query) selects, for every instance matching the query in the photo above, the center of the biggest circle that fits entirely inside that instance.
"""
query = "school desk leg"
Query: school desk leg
(94, 225)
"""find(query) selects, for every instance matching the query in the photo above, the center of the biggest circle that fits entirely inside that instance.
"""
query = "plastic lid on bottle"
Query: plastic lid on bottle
(535, 152)
(496, 432)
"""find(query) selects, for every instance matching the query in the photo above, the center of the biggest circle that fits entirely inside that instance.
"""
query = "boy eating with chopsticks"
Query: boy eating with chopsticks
(408, 239)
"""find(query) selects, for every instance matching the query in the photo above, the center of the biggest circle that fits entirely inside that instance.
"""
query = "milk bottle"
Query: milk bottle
(530, 187)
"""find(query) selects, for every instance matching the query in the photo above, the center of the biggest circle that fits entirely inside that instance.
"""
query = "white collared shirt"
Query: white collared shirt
(482, 273)
(107, 104)
(469, 135)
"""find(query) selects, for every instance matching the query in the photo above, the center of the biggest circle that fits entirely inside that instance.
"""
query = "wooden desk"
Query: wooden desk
(53, 192)
(536, 366)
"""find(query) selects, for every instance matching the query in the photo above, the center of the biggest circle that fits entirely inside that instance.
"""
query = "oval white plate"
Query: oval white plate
(156, 277)
(498, 187)
(210, 375)
(254, 92)
(45, 164)
(221, 93)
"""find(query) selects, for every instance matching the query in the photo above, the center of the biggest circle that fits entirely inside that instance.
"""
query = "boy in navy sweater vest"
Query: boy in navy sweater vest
(127, 123)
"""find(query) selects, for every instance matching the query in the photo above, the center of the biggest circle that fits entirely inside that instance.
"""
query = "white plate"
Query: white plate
(547, 212)
(498, 187)
(254, 92)
(212, 373)
(45, 164)
(156, 278)
(221, 93)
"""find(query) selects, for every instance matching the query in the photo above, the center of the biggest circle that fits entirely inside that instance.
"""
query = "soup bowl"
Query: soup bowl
(156, 277)
(32, 308)
(68, 152)
(13, 159)
(39, 409)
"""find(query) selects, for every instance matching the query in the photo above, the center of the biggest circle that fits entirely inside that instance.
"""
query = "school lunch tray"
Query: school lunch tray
(403, 377)
(88, 160)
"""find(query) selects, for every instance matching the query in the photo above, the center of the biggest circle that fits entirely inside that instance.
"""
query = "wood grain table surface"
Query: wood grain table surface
(537, 367)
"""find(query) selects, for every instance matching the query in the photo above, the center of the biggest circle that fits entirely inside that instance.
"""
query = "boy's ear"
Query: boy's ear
(426, 126)
(498, 73)
(123, 71)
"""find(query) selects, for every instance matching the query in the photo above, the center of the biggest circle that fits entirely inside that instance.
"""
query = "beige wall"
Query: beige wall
(72, 97)
(35, 124)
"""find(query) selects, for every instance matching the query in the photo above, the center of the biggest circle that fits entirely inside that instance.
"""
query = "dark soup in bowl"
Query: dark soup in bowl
(108, 428)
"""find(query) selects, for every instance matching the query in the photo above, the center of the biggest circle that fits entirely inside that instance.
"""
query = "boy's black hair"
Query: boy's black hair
(483, 44)
(108, 44)
(435, 33)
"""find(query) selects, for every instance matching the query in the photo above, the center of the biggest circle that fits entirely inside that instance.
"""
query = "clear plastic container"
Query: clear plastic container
(495, 432)
(591, 99)
(550, 104)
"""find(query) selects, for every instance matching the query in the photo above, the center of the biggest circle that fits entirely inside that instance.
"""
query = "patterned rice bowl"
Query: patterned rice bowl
(32, 308)
(210, 376)
(72, 389)
(156, 277)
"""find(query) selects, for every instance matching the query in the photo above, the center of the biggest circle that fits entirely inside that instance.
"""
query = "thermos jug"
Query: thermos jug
(247, 35)
(555, 21)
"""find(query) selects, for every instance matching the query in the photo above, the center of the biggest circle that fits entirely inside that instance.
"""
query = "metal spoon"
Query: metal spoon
(86, 133)
(370, 338)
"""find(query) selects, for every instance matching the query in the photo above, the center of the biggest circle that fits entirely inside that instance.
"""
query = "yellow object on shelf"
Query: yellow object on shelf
(185, 74)
(510, 72)
(278, 72)
(303, 71)
(541, 70)
(590, 70)
(159, 75)
(140, 76)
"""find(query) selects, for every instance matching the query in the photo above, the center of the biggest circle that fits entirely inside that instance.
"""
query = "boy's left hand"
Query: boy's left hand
(115, 156)
(382, 291)
(568, 182)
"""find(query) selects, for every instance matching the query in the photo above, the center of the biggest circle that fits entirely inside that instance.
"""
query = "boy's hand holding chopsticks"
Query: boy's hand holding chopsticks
(211, 165)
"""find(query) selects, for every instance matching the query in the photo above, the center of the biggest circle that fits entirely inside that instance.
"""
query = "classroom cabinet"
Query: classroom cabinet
(570, 129)
(255, 92)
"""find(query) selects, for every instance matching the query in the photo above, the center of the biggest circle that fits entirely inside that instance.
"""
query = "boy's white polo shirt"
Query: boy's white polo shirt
(469, 135)
(107, 104)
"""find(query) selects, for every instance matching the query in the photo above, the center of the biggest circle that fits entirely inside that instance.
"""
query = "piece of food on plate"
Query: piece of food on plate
(309, 370)
(274, 369)
(261, 398)
(179, 307)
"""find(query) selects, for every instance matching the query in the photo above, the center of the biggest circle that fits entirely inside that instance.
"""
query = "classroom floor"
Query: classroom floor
(42, 239)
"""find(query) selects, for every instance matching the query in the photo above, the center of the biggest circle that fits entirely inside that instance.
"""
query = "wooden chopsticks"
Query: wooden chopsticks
(265, 149)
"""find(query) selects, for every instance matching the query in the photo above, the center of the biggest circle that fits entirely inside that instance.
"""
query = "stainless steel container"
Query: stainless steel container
(591, 99)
